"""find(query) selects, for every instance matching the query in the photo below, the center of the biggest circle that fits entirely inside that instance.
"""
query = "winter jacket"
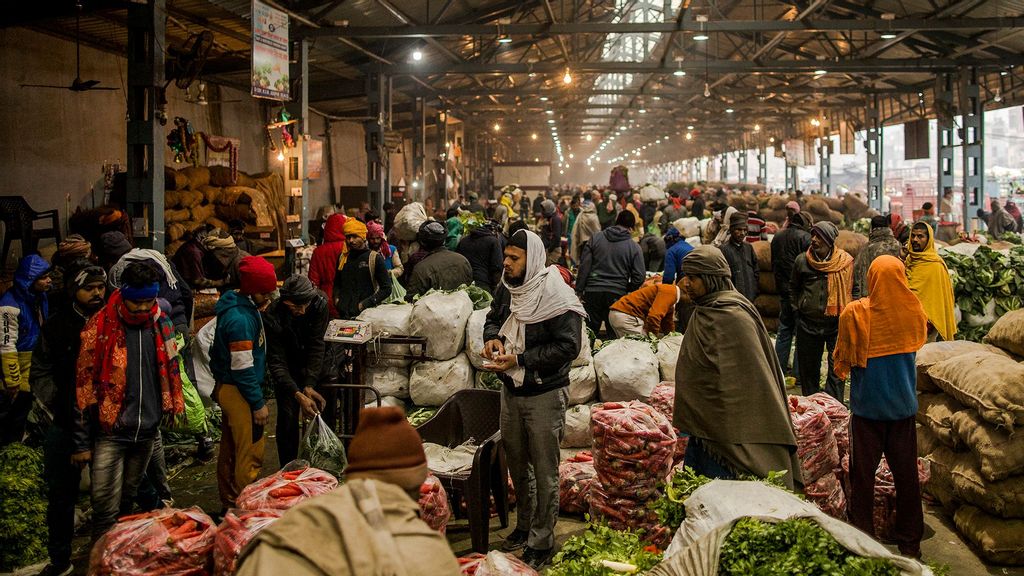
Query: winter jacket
(654, 304)
(53, 375)
(743, 264)
(22, 312)
(786, 246)
(189, 262)
(670, 214)
(238, 355)
(551, 233)
(323, 265)
(442, 269)
(221, 265)
(605, 216)
(653, 249)
(551, 346)
(674, 261)
(880, 243)
(142, 406)
(357, 287)
(697, 207)
(611, 262)
(810, 297)
(295, 344)
(483, 251)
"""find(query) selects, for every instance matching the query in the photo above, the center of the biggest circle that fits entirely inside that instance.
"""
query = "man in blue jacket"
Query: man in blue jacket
(238, 361)
(22, 311)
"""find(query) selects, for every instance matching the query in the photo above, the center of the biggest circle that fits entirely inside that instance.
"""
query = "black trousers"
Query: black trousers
(62, 479)
(287, 426)
(897, 440)
(14, 416)
(597, 305)
(809, 348)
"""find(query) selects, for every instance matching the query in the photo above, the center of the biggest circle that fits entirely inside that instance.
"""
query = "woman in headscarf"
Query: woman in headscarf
(378, 241)
(928, 278)
(878, 340)
(730, 392)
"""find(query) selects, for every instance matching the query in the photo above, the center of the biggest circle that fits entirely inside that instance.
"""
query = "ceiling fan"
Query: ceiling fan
(77, 85)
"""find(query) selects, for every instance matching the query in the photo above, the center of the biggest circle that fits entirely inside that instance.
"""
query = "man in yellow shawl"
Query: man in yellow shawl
(928, 279)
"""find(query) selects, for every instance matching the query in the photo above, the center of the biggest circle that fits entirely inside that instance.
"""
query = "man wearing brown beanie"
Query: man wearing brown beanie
(370, 525)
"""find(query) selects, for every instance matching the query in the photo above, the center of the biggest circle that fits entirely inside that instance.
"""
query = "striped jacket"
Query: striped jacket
(22, 312)
(238, 355)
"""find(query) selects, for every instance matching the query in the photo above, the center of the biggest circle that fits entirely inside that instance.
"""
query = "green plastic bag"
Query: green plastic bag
(193, 420)
(322, 448)
(398, 293)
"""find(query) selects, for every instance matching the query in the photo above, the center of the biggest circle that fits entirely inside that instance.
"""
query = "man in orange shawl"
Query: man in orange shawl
(822, 285)
(928, 279)
(879, 337)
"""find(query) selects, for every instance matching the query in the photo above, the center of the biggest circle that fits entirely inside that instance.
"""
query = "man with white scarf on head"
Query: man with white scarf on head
(532, 335)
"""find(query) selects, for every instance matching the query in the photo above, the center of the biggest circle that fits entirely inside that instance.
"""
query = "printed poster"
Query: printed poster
(269, 52)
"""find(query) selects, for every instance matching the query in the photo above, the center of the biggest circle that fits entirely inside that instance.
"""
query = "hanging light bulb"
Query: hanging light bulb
(280, 156)
(757, 127)
(707, 90)
(417, 55)
(567, 78)
(998, 96)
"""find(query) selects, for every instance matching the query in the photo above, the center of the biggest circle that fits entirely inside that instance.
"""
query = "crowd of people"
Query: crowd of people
(553, 266)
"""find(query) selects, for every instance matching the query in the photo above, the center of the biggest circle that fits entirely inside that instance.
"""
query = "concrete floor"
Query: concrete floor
(196, 484)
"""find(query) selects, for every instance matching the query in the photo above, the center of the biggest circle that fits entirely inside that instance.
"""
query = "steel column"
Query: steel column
(946, 152)
(301, 67)
(723, 166)
(873, 145)
(792, 182)
(742, 159)
(441, 190)
(419, 147)
(762, 164)
(145, 154)
(825, 165)
(973, 110)
(377, 156)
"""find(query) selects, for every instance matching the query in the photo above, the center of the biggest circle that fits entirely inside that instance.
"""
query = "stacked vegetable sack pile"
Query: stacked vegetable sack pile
(197, 195)
(971, 414)
(987, 283)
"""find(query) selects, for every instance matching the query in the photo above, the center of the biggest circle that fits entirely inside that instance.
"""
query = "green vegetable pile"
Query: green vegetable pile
(420, 415)
(22, 507)
(481, 298)
(490, 381)
(795, 546)
(988, 276)
(582, 555)
(671, 507)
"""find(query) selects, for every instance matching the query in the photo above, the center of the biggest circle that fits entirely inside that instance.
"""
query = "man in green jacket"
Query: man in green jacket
(238, 361)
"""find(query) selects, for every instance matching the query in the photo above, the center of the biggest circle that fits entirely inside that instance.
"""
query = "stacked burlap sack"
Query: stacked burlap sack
(848, 209)
(767, 302)
(971, 419)
(198, 195)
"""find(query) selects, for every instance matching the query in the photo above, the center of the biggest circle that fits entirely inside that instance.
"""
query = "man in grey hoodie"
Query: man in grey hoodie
(611, 266)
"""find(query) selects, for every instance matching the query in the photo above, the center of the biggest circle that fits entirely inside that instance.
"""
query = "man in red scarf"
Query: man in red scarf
(127, 381)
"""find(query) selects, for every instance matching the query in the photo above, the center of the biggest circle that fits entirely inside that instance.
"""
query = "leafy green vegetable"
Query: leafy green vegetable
(22, 507)
(481, 298)
(490, 380)
(420, 415)
(795, 546)
(582, 555)
(989, 276)
(671, 508)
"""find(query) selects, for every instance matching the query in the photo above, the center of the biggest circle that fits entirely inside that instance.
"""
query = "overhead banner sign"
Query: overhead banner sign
(269, 52)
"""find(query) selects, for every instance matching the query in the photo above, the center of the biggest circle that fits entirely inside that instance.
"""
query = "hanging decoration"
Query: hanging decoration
(284, 118)
(229, 147)
(182, 141)
(270, 140)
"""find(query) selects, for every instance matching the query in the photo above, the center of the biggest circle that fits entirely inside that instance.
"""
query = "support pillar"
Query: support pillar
(973, 111)
(762, 164)
(145, 154)
(377, 157)
(944, 119)
(742, 159)
(723, 166)
(300, 70)
(441, 190)
(791, 178)
(825, 165)
(419, 148)
(873, 144)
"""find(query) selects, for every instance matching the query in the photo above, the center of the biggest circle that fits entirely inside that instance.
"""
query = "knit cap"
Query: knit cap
(386, 447)
(256, 276)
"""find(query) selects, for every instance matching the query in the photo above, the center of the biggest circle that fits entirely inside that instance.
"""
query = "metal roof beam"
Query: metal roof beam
(910, 25)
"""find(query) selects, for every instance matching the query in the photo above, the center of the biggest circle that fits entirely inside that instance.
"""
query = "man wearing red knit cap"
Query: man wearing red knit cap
(238, 361)
(369, 525)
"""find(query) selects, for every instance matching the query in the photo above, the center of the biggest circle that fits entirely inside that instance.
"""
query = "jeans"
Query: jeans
(597, 305)
(531, 429)
(154, 488)
(897, 440)
(62, 480)
(808, 355)
(117, 469)
(784, 338)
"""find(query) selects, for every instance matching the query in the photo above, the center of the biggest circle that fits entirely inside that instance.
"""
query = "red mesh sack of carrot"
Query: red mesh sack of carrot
(237, 529)
(434, 507)
(168, 541)
(282, 490)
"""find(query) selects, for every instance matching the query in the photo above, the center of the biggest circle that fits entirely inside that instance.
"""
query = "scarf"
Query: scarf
(376, 230)
(839, 267)
(142, 255)
(896, 225)
(100, 374)
(677, 202)
(722, 235)
(889, 321)
(542, 295)
(928, 278)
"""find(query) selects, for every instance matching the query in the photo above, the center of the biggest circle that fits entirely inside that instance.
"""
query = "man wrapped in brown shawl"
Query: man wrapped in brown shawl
(730, 392)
